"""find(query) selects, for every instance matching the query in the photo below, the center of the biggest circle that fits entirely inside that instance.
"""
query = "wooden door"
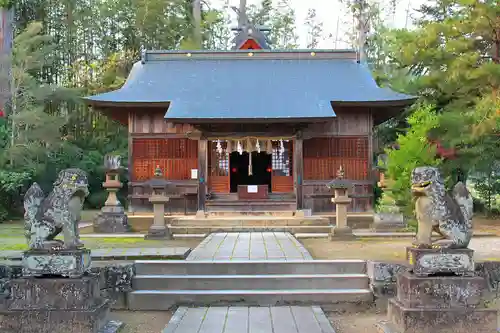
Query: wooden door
(282, 164)
(218, 168)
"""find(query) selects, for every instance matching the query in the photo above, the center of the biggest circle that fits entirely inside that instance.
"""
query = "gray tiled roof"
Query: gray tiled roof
(249, 88)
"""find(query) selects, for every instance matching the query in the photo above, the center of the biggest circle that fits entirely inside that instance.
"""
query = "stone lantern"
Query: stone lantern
(341, 187)
(160, 189)
(112, 217)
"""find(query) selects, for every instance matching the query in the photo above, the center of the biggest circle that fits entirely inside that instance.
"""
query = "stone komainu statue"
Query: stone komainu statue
(59, 212)
(450, 215)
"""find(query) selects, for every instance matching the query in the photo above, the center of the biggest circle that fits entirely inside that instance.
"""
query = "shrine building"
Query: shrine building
(253, 128)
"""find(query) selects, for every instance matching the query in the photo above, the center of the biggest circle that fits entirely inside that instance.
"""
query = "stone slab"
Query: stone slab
(250, 246)
(274, 319)
(69, 263)
(439, 291)
(425, 262)
(112, 219)
(441, 320)
(176, 253)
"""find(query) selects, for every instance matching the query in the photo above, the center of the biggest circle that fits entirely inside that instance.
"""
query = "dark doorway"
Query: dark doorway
(261, 170)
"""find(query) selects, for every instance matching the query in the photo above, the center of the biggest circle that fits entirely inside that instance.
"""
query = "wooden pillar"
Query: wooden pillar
(298, 168)
(130, 162)
(202, 172)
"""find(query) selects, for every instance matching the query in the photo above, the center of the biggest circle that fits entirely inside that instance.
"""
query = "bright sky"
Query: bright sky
(333, 13)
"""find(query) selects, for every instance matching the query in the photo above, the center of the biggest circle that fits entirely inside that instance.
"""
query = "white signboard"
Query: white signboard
(252, 189)
(194, 173)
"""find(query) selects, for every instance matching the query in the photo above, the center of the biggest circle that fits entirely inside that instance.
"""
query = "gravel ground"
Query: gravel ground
(361, 322)
(141, 321)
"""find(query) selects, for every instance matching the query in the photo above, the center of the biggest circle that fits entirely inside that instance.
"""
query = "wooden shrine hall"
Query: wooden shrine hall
(251, 128)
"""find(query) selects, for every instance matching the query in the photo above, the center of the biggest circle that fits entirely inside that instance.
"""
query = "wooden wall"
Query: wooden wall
(345, 141)
(154, 142)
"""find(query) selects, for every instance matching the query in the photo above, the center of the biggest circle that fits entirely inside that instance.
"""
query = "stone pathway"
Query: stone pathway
(250, 246)
(177, 253)
(228, 319)
(273, 319)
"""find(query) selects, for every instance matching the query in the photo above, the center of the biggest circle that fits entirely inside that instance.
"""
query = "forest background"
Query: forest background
(64, 49)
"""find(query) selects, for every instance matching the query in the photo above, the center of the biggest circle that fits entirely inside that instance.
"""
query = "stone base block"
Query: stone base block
(158, 233)
(388, 221)
(425, 262)
(200, 214)
(111, 219)
(439, 291)
(58, 321)
(440, 320)
(54, 293)
(60, 262)
(341, 234)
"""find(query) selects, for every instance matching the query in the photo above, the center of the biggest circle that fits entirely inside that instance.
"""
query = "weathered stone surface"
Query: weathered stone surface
(55, 305)
(54, 293)
(59, 212)
(440, 320)
(440, 260)
(115, 281)
(159, 232)
(69, 263)
(451, 212)
(341, 234)
(54, 321)
(439, 291)
(388, 221)
(490, 271)
(111, 220)
(383, 277)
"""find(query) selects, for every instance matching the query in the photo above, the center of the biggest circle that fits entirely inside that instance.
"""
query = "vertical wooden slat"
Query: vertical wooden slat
(202, 172)
(298, 169)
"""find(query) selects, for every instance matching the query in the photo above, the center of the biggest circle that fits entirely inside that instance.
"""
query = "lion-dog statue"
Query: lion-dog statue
(449, 215)
(60, 211)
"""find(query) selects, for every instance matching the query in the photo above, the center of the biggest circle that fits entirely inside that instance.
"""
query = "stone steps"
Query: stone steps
(206, 229)
(145, 300)
(247, 267)
(250, 282)
(159, 285)
(242, 221)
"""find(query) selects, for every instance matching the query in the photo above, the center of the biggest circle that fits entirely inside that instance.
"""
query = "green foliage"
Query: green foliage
(12, 185)
(414, 151)
(280, 19)
(6, 3)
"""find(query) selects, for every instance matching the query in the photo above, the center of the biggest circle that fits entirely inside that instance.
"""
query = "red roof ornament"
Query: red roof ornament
(250, 44)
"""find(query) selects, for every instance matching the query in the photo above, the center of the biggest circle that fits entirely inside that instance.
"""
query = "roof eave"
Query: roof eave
(249, 120)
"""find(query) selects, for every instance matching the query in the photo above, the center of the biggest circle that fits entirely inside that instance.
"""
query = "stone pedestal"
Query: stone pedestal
(159, 229)
(66, 263)
(440, 294)
(56, 305)
(56, 294)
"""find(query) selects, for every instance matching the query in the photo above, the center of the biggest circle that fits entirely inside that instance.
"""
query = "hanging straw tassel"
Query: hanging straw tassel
(229, 147)
(269, 147)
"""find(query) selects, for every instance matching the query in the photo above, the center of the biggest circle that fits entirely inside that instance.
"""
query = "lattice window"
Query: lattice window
(324, 156)
(282, 162)
(176, 158)
(218, 161)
